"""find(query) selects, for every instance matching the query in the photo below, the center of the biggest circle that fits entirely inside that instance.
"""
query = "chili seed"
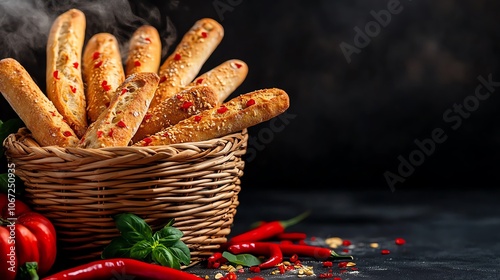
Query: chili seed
(385, 252)
(346, 242)
(294, 258)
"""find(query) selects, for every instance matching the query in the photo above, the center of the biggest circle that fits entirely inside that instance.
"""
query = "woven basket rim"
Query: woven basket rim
(24, 133)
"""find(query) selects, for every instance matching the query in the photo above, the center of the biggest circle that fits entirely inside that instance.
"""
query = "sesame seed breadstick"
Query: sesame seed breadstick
(184, 104)
(38, 113)
(224, 78)
(182, 66)
(102, 72)
(234, 115)
(63, 72)
(119, 122)
(144, 53)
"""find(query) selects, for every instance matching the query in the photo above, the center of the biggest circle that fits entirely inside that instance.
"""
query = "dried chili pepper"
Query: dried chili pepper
(267, 230)
(110, 268)
(270, 250)
(320, 253)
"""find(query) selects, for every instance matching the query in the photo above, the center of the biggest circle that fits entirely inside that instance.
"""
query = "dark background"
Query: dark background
(348, 122)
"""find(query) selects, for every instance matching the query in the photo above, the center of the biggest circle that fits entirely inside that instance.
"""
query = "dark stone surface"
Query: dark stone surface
(449, 235)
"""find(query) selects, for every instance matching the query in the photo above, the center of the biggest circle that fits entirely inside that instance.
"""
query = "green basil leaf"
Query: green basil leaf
(9, 126)
(181, 252)
(168, 236)
(141, 250)
(241, 259)
(4, 184)
(133, 228)
(163, 256)
(118, 247)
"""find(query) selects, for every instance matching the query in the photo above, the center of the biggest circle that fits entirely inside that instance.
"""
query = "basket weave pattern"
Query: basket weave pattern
(80, 190)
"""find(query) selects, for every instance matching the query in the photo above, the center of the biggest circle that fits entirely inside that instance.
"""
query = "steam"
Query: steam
(25, 25)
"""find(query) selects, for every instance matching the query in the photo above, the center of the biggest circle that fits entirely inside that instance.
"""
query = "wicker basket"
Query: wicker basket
(80, 190)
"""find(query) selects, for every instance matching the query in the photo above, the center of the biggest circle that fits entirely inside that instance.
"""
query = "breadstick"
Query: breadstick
(234, 115)
(119, 122)
(184, 104)
(144, 54)
(63, 73)
(40, 116)
(182, 66)
(102, 72)
(224, 78)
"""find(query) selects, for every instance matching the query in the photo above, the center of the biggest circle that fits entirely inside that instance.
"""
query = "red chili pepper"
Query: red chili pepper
(110, 268)
(320, 253)
(267, 230)
(293, 236)
(271, 250)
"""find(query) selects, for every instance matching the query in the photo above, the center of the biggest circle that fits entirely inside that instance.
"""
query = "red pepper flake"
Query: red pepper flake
(385, 252)
(67, 133)
(342, 264)
(328, 264)
(96, 55)
(337, 278)
(251, 101)
(148, 141)
(124, 90)
(222, 110)
(56, 75)
(231, 276)
(147, 39)
(137, 63)
(98, 64)
(186, 104)
(238, 65)
(163, 79)
(354, 268)
(177, 56)
(400, 241)
(345, 250)
(254, 269)
(178, 96)
(52, 113)
(346, 242)
(199, 81)
(281, 268)
(110, 133)
(325, 275)
(105, 85)
(100, 133)
(197, 118)
(204, 34)
(73, 89)
(294, 258)
(76, 64)
(121, 124)
(147, 116)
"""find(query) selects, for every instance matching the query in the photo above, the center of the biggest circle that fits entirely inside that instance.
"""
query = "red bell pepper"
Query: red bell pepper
(25, 236)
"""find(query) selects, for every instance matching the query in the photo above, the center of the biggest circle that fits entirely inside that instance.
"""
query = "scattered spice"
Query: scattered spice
(177, 57)
(163, 79)
(222, 110)
(121, 124)
(346, 242)
(199, 81)
(98, 64)
(67, 133)
(197, 118)
(186, 104)
(385, 252)
(124, 90)
(56, 75)
(105, 85)
(75, 65)
(96, 55)
(73, 89)
(147, 39)
(250, 102)
(204, 34)
(374, 245)
(137, 63)
(100, 133)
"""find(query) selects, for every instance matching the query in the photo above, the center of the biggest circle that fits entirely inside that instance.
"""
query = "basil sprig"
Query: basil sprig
(137, 241)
